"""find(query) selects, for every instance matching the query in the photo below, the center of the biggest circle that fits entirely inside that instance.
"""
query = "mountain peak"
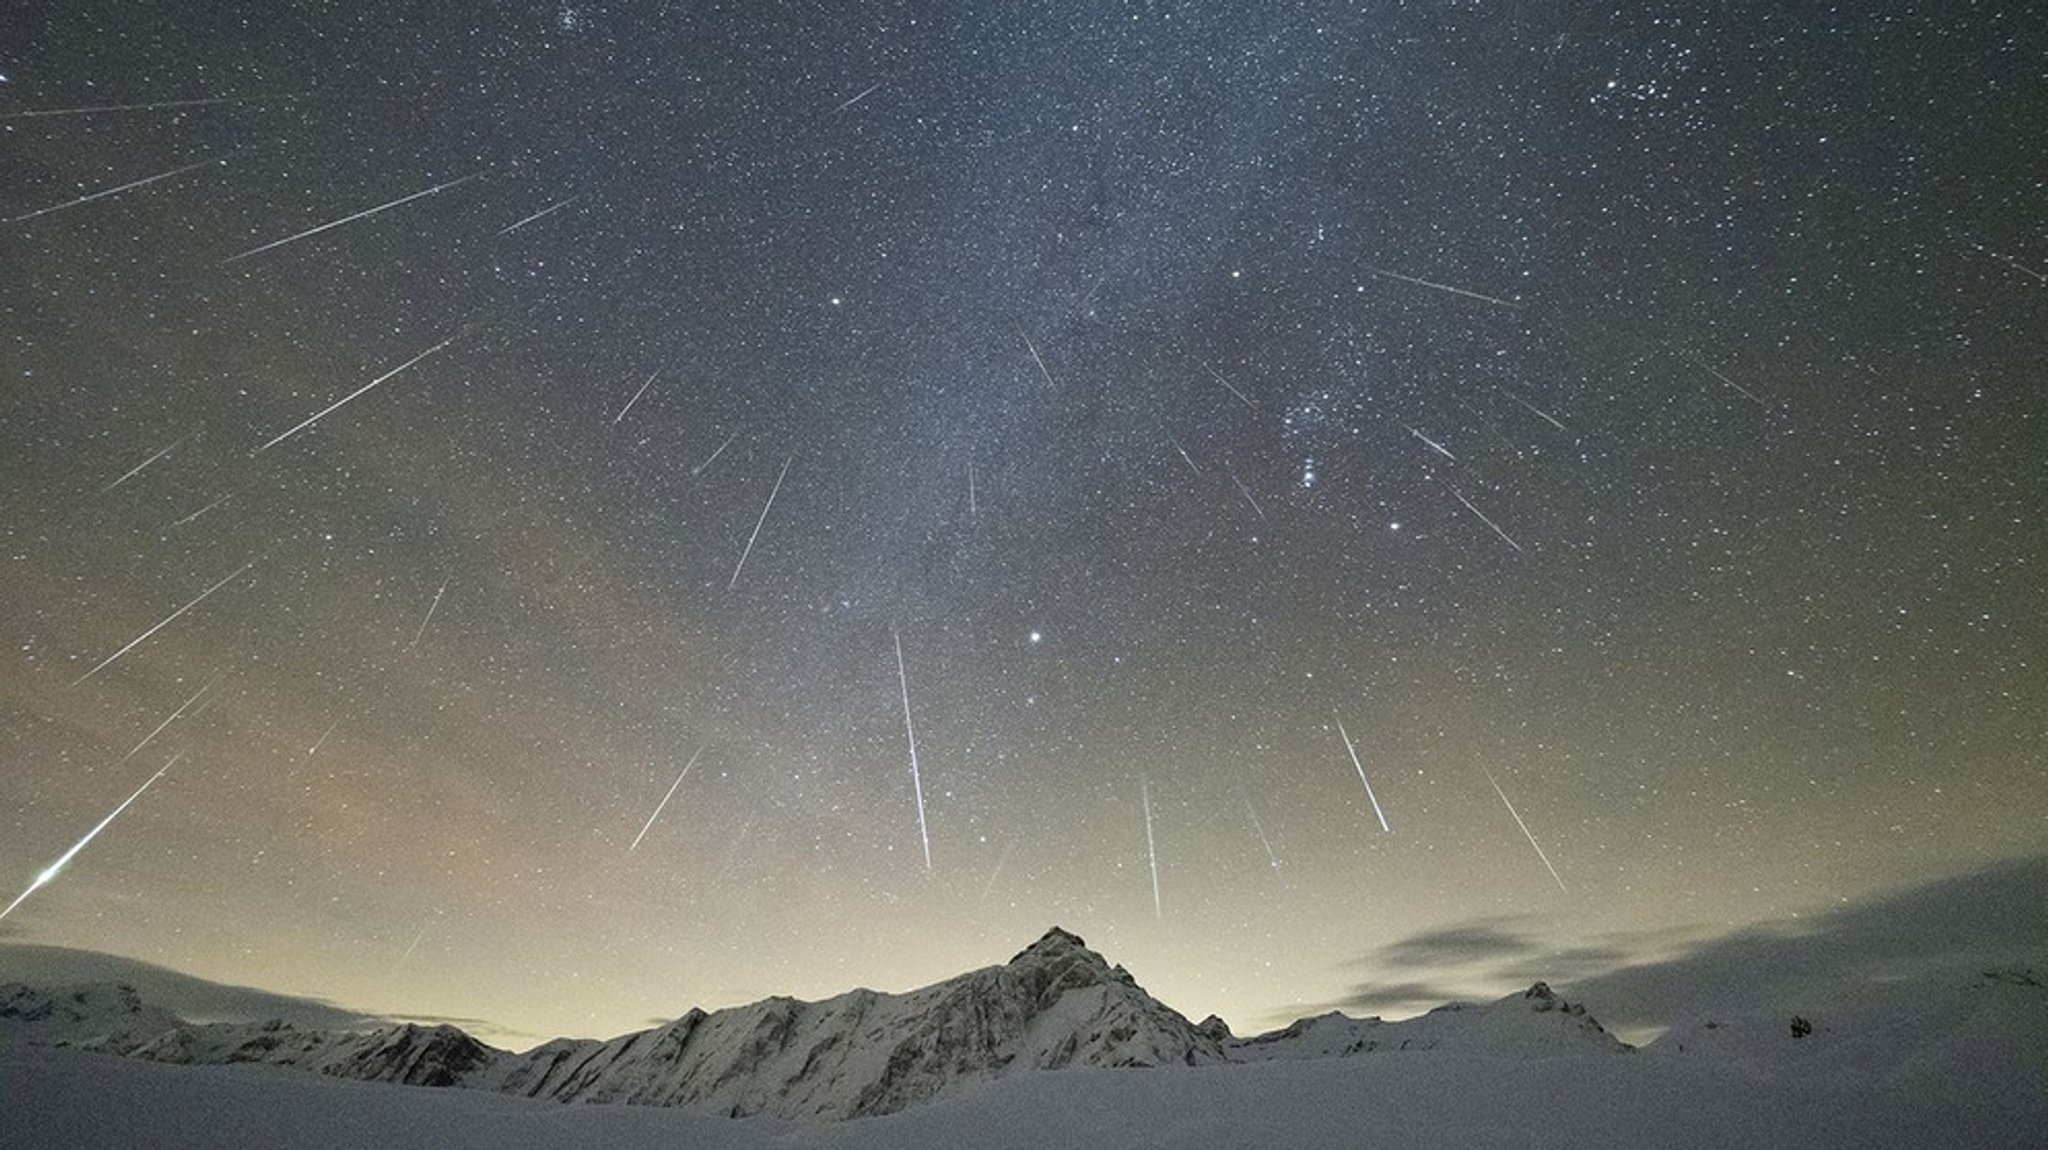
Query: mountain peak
(1055, 944)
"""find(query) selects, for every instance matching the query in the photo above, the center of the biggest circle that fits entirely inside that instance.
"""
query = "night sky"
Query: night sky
(1627, 424)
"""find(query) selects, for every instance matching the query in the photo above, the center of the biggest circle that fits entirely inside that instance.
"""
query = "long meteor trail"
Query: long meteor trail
(749, 549)
(1151, 848)
(1353, 752)
(1525, 829)
(1218, 377)
(1433, 286)
(56, 868)
(663, 805)
(366, 213)
(337, 404)
(182, 707)
(636, 397)
(137, 640)
(130, 186)
(910, 734)
(161, 105)
(1504, 536)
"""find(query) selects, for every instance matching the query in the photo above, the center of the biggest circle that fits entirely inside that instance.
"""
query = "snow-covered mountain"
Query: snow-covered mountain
(1057, 1004)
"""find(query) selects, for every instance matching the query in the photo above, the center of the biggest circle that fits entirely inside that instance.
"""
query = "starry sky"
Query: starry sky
(430, 428)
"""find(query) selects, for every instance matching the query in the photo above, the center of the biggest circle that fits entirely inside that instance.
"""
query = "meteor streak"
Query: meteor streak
(430, 612)
(366, 213)
(910, 734)
(1151, 848)
(1244, 491)
(115, 191)
(1439, 448)
(1483, 519)
(332, 407)
(198, 513)
(1525, 829)
(663, 805)
(1353, 751)
(550, 210)
(865, 92)
(636, 397)
(137, 749)
(1033, 349)
(1744, 392)
(699, 469)
(1218, 377)
(138, 468)
(133, 643)
(1445, 288)
(158, 106)
(1539, 412)
(322, 740)
(749, 549)
(56, 868)
(1260, 827)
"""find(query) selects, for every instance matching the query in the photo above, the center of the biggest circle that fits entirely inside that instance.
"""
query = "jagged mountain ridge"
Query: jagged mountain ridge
(1056, 1004)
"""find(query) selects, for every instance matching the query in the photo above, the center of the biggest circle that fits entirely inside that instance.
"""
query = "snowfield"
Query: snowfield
(1059, 1049)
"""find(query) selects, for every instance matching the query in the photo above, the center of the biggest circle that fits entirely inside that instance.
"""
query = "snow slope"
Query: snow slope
(1780, 1092)
(1059, 1049)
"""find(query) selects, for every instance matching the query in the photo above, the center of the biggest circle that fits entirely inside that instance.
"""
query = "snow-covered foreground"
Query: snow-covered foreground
(1966, 1066)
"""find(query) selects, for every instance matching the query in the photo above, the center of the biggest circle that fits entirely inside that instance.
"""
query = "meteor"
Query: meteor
(749, 549)
(1218, 377)
(337, 404)
(1504, 536)
(910, 733)
(550, 210)
(146, 739)
(1151, 848)
(864, 93)
(56, 868)
(430, 612)
(636, 398)
(140, 467)
(1525, 829)
(115, 191)
(663, 805)
(160, 105)
(1353, 751)
(1445, 288)
(1439, 448)
(713, 457)
(366, 213)
(1033, 349)
(133, 643)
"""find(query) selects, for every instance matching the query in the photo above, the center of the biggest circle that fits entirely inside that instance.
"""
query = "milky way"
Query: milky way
(1636, 414)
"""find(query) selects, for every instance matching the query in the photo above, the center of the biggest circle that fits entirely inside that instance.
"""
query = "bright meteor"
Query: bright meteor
(54, 869)
(1353, 752)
